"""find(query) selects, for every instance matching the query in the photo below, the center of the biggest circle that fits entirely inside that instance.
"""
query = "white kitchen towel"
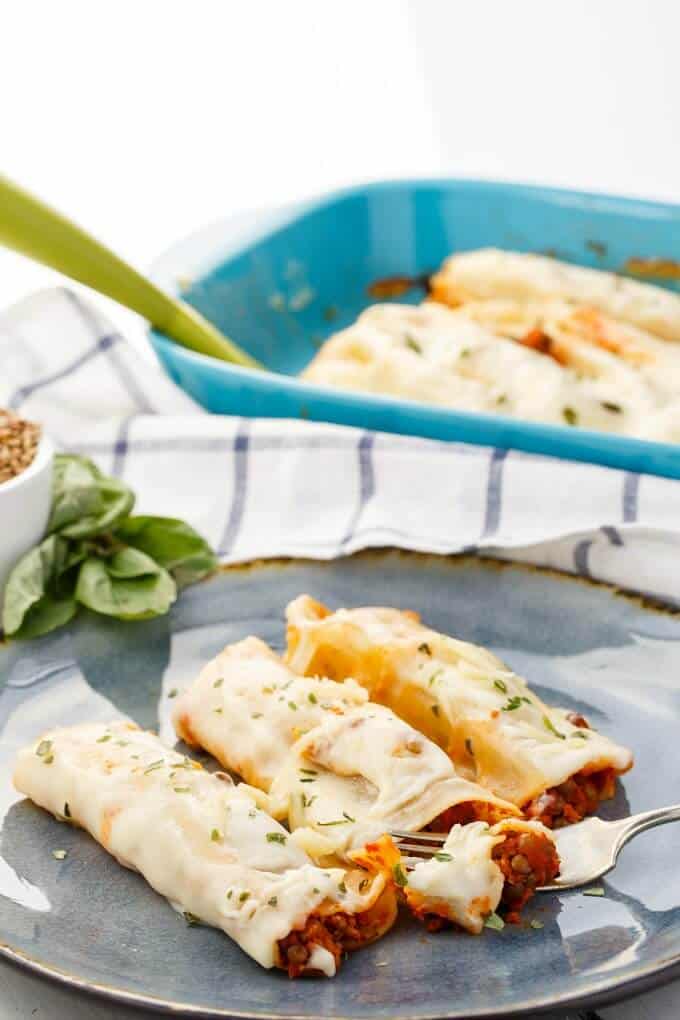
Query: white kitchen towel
(262, 488)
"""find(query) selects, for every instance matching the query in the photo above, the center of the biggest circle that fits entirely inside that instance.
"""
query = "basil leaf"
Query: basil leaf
(85, 502)
(108, 587)
(172, 543)
(39, 591)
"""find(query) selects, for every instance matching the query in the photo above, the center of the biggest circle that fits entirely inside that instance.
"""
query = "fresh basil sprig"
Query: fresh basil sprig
(96, 555)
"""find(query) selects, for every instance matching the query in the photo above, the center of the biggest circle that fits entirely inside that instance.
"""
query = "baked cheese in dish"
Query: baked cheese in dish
(202, 843)
(498, 733)
(469, 358)
(357, 772)
(489, 273)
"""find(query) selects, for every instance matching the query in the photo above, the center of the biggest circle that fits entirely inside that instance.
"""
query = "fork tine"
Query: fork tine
(426, 851)
(433, 838)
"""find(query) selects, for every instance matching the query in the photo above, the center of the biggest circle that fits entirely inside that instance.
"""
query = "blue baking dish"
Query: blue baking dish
(279, 282)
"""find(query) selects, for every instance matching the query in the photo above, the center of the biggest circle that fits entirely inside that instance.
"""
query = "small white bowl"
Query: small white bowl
(25, 508)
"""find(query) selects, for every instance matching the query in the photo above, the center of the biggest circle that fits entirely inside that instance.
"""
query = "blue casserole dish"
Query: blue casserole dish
(280, 282)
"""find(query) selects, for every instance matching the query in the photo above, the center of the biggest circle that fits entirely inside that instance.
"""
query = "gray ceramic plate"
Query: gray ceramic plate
(88, 922)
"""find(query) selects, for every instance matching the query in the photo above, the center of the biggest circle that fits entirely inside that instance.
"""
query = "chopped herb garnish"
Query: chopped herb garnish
(399, 876)
(219, 681)
(434, 676)
(512, 704)
(218, 711)
(256, 715)
(363, 884)
(43, 748)
(549, 726)
(609, 406)
(536, 924)
(338, 821)
(229, 894)
(67, 810)
(244, 896)
(182, 789)
(252, 813)
(273, 901)
(154, 765)
(581, 734)
(309, 772)
(276, 837)
(309, 779)
(48, 760)
(291, 704)
(465, 353)
(102, 740)
(342, 888)
(191, 918)
(307, 801)
(501, 399)
(441, 856)
(348, 817)
(425, 648)
(495, 922)
(216, 836)
(468, 746)
(434, 709)
(501, 686)
(315, 890)
(173, 693)
(60, 855)
(595, 890)
(412, 344)
(570, 415)
(312, 697)
(122, 743)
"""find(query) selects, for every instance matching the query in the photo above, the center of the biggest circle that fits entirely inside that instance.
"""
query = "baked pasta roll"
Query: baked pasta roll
(545, 760)
(203, 844)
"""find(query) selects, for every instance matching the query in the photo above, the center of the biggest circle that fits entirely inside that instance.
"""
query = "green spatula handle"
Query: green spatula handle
(30, 227)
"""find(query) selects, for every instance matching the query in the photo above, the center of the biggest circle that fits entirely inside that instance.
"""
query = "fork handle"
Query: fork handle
(647, 820)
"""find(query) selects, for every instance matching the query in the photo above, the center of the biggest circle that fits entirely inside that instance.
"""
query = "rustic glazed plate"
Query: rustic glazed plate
(88, 923)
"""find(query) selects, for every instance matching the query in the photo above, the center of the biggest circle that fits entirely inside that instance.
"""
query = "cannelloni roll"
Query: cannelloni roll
(545, 760)
(202, 843)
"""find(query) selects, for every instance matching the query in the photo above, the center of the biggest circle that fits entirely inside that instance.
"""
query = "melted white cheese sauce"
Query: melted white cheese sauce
(200, 842)
(469, 689)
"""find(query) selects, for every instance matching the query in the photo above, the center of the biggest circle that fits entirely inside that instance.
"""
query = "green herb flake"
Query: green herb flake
(276, 837)
(501, 685)
(513, 703)
(442, 856)
(292, 705)
(230, 894)
(267, 690)
(311, 697)
(309, 772)
(48, 760)
(465, 353)
(399, 876)
(191, 918)
(547, 722)
(218, 711)
(316, 891)
(256, 715)
(348, 817)
(363, 884)
(244, 896)
(309, 779)
(153, 766)
(613, 408)
(273, 901)
(495, 922)
(43, 748)
(173, 693)
(337, 821)
(570, 415)
(342, 888)
(67, 810)
(425, 648)
(122, 743)
(307, 801)
(102, 740)
(412, 344)
(468, 746)
(216, 836)
(537, 925)
(434, 709)
(595, 890)
(581, 734)
(219, 681)
(437, 673)
(182, 789)
(60, 855)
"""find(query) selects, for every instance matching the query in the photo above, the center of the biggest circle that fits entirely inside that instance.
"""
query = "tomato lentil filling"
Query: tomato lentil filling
(464, 814)
(339, 933)
(578, 796)
(528, 860)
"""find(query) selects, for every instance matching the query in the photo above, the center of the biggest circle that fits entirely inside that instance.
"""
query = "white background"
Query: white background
(143, 119)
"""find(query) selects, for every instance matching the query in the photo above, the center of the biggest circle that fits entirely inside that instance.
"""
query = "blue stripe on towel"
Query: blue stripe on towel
(366, 483)
(238, 501)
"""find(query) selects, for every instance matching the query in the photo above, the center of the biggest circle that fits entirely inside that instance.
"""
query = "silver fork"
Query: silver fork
(588, 850)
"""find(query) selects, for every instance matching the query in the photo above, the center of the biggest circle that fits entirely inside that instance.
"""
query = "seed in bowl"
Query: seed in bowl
(19, 441)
